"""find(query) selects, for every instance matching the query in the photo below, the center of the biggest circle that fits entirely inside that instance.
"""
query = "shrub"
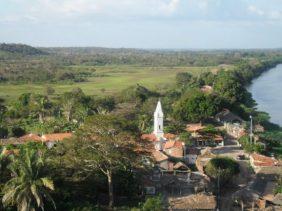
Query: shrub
(18, 131)
(153, 204)
(223, 167)
(3, 132)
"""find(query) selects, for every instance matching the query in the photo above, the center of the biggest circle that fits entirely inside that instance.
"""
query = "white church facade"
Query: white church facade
(159, 121)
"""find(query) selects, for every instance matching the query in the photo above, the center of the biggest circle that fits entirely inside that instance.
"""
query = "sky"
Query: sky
(168, 24)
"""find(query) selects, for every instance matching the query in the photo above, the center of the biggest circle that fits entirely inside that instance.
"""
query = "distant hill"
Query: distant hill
(20, 49)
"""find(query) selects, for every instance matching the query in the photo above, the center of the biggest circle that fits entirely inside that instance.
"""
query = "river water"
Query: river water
(267, 92)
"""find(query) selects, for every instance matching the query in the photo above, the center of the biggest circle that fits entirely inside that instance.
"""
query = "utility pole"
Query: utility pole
(218, 189)
(251, 129)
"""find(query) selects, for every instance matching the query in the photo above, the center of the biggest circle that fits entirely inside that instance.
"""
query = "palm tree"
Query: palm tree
(40, 105)
(27, 188)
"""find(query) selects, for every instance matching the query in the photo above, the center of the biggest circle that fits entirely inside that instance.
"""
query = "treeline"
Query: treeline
(21, 63)
(24, 50)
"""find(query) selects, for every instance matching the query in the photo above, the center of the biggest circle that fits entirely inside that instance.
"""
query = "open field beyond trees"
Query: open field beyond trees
(111, 80)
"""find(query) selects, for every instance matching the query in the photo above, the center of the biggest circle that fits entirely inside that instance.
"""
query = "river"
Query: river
(267, 92)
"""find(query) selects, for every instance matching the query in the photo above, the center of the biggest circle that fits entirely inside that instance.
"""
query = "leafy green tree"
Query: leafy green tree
(28, 188)
(68, 103)
(106, 144)
(208, 78)
(183, 79)
(195, 106)
(222, 168)
(186, 138)
(39, 105)
(229, 87)
(175, 127)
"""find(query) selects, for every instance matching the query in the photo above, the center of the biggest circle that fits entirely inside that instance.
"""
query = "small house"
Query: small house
(191, 155)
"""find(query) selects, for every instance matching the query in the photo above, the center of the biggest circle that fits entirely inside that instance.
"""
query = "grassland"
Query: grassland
(110, 80)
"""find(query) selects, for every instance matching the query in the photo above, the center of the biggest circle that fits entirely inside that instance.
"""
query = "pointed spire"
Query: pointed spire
(159, 110)
(158, 121)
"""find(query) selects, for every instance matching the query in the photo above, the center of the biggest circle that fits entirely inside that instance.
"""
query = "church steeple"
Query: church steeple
(158, 121)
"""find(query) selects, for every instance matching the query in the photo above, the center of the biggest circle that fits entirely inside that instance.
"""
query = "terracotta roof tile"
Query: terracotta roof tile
(173, 144)
(180, 165)
(159, 156)
(149, 137)
(261, 160)
(30, 137)
(194, 127)
(218, 138)
(56, 136)
(169, 136)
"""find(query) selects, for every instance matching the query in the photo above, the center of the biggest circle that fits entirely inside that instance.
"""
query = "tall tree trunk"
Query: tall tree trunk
(111, 188)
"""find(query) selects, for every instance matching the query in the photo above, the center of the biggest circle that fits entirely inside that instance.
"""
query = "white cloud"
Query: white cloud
(105, 7)
(255, 10)
(270, 14)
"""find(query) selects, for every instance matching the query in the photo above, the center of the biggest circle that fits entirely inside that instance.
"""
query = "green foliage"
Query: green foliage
(137, 94)
(151, 204)
(17, 131)
(224, 168)
(183, 79)
(195, 106)
(175, 127)
(3, 132)
(28, 188)
(210, 129)
(186, 138)
(279, 186)
(229, 87)
(49, 90)
(20, 49)
(250, 147)
(207, 78)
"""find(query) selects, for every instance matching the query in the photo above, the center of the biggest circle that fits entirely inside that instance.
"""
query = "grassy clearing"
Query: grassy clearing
(112, 80)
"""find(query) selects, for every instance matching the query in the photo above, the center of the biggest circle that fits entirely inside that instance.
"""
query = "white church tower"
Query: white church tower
(159, 121)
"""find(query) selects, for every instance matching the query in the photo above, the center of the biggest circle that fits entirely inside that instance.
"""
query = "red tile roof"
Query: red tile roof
(218, 138)
(30, 137)
(194, 127)
(169, 136)
(263, 161)
(149, 137)
(159, 156)
(180, 165)
(173, 144)
(153, 137)
(56, 136)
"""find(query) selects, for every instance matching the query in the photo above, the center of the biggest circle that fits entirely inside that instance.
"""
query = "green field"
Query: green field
(112, 80)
